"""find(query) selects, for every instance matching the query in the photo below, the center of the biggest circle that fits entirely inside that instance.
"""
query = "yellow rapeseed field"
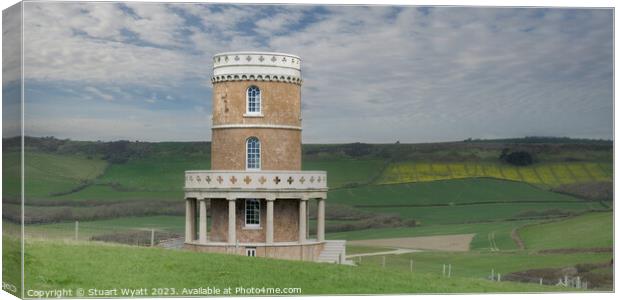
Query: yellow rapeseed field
(546, 174)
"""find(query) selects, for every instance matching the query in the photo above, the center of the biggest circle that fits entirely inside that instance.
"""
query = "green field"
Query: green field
(154, 174)
(462, 201)
(53, 265)
(474, 190)
(587, 231)
(475, 264)
(49, 174)
(346, 172)
(447, 188)
(459, 214)
(592, 230)
(66, 230)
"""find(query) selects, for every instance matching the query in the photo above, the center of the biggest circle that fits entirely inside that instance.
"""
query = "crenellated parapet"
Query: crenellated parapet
(260, 66)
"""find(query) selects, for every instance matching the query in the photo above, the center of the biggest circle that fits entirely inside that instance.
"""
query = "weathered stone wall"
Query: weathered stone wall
(280, 103)
(285, 221)
(280, 106)
(280, 148)
(219, 220)
(309, 252)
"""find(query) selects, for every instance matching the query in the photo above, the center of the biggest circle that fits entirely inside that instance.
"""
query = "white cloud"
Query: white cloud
(443, 74)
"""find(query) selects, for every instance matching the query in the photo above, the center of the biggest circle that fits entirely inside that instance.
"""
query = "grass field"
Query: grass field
(154, 174)
(346, 171)
(477, 196)
(474, 190)
(66, 230)
(587, 231)
(49, 174)
(459, 214)
(54, 265)
(476, 264)
(541, 174)
(461, 201)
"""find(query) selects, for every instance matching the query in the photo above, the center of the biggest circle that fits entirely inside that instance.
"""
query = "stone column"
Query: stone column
(190, 219)
(202, 229)
(232, 221)
(302, 219)
(269, 229)
(308, 220)
(320, 221)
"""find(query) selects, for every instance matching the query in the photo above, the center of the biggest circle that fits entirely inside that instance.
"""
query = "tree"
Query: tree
(517, 158)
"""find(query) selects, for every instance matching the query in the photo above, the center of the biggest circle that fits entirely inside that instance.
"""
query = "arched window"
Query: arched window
(253, 100)
(253, 153)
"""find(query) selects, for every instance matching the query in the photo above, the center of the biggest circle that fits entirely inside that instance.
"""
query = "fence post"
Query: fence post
(383, 261)
(566, 281)
(540, 281)
(411, 265)
(585, 285)
(443, 272)
(499, 277)
(152, 237)
(77, 226)
(449, 270)
(578, 282)
(492, 274)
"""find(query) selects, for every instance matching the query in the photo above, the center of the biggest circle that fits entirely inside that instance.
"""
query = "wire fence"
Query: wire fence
(135, 236)
(448, 270)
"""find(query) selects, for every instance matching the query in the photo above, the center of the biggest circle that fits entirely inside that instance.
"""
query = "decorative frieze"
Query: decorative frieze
(259, 66)
(256, 180)
(257, 77)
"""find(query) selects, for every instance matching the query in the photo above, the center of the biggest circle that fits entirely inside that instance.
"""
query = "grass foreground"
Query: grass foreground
(56, 264)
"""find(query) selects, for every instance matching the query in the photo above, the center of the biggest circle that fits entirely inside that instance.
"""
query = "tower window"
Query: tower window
(253, 100)
(253, 153)
(252, 213)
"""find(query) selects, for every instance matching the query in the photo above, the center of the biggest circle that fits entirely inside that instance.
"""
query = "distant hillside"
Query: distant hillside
(543, 149)
(84, 180)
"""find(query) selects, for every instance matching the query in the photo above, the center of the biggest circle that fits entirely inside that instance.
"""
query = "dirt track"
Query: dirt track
(457, 242)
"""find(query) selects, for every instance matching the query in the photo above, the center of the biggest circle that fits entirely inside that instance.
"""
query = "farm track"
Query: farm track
(492, 244)
(453, 242)
(514, 234)
(396, 251)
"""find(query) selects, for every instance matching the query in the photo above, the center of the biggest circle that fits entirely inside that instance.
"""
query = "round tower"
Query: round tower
(256, 107)
(255, 194)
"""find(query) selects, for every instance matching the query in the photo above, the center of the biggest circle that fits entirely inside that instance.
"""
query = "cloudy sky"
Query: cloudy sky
(140, 71)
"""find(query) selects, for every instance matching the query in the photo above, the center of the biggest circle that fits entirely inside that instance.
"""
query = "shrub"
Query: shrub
(517, 158)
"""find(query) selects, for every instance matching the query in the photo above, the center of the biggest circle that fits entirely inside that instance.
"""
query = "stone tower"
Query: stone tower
(256, 194)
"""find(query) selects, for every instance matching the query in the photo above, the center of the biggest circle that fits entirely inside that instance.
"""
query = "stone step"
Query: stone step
(332, 252)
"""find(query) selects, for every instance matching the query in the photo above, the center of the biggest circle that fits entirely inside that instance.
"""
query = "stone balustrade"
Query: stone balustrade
(256, 180)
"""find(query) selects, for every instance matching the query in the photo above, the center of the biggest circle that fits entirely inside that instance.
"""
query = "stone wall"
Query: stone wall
(280, 148)
(280, 106)
(280, 103)
(309, 252)
(285, 221)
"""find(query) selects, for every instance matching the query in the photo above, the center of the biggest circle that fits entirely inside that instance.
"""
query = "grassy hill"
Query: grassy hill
(433, 184)
(376, 191)
(53, 265)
